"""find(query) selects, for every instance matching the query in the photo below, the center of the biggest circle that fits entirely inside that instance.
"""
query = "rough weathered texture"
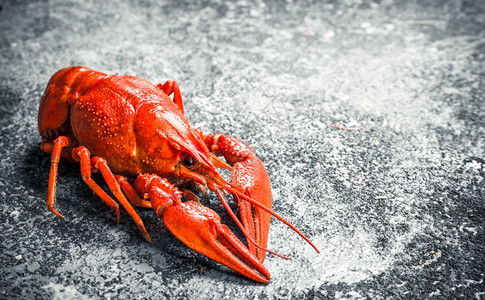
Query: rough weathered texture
(396, 207)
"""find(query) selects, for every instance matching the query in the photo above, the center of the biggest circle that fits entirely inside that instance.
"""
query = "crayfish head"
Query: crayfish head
(172, 148)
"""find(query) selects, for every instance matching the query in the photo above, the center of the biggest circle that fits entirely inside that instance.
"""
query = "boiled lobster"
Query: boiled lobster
(149, 155)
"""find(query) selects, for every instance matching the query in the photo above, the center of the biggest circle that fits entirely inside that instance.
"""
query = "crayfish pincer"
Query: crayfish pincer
(138, 138)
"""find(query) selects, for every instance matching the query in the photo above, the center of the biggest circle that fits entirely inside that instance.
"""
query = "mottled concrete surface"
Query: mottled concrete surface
(396, 207)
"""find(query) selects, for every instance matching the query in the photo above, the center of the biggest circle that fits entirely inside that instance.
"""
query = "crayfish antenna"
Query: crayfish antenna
(227, 186)
(241, 227)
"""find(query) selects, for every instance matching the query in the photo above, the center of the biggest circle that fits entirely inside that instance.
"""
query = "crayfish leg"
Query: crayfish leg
(55, 149)
(170, 87)
(131, 194)
(98, 163)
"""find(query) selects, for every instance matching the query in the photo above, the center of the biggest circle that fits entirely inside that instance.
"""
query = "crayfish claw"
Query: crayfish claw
(250, 179)
(199, 228)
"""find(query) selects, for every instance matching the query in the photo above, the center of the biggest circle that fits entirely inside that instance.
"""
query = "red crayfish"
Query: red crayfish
(149, 155)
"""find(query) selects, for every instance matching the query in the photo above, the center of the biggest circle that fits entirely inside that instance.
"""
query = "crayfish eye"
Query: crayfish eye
(189, 161)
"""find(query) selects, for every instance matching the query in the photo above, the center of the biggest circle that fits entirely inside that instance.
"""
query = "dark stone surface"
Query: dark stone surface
(397, 207)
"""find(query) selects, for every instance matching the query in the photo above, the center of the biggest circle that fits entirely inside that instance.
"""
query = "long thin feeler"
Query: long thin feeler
(246, 234)
(252, 201)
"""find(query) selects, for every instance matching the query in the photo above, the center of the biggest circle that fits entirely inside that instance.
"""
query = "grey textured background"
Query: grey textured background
(397, 208)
